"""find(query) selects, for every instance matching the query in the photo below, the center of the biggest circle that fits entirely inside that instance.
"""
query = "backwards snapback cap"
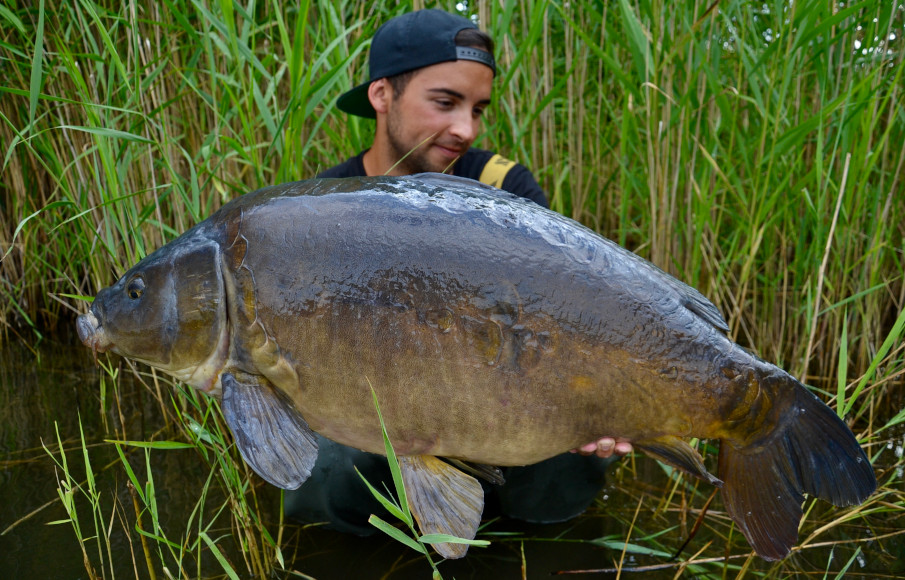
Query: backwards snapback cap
(411, 41)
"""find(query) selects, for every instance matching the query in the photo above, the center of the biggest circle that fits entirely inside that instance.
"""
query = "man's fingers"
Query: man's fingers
(623, 447)
(605, 447)
(586, 449)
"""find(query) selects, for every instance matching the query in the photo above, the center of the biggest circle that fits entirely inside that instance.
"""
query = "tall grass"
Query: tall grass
(753, 149)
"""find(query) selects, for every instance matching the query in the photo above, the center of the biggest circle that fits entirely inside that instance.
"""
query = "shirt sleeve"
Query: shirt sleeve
(521, 182)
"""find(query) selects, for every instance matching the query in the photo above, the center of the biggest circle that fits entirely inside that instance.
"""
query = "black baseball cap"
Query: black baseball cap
(411, 41)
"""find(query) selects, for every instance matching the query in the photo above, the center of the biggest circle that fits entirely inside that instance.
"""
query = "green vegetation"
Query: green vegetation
(398, 506)
(752, 149)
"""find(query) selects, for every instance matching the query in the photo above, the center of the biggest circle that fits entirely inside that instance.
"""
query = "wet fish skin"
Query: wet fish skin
(491, 330)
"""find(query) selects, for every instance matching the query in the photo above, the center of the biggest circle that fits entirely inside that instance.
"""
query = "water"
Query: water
(57, 384)
(51, 390)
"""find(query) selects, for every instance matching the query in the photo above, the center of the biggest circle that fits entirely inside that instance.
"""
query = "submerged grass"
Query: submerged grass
(752, 149)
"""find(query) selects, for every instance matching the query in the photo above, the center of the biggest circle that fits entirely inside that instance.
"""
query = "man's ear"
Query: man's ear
(380, 93)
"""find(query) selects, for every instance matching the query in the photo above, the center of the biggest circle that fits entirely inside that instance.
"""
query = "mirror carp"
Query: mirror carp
(492, 331)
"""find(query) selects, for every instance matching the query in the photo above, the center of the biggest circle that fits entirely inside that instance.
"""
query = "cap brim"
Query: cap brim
(356, 102)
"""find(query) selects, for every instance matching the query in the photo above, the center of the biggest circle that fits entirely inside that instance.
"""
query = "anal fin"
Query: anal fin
(679, 454)
(270, 433)
(443, 500)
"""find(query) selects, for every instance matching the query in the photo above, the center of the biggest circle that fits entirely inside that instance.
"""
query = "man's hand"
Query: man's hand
(606, 447)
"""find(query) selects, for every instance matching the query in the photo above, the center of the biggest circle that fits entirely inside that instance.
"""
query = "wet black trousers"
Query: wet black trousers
(554, 490)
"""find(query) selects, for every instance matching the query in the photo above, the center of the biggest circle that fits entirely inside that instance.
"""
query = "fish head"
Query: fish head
(167, 311)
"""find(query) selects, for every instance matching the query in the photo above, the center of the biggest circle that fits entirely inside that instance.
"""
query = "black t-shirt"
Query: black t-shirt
(518, 180)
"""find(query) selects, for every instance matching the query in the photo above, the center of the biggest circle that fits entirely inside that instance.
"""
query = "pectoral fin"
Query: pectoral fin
(679, 454)
(443, 500)
(271, 435)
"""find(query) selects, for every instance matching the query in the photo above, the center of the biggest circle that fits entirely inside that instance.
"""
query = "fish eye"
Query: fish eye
(135, 288)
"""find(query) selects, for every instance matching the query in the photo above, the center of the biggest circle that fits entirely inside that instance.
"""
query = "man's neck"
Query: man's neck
(377, 162)
(369, 160)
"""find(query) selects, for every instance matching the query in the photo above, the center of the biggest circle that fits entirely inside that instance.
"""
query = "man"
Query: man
(431, 76)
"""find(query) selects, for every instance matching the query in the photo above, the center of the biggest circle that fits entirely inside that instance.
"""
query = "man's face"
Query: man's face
(438, 115)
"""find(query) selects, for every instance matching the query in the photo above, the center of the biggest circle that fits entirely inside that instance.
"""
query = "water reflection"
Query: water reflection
(34, 393)
(51, 391)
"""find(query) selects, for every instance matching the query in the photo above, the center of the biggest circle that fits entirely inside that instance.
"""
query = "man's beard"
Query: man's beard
(413, 158)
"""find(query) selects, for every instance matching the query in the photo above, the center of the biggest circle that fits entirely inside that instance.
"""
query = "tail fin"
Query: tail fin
(812, 451)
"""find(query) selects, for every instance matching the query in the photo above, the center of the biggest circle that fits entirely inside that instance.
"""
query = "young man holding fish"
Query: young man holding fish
(431, 76)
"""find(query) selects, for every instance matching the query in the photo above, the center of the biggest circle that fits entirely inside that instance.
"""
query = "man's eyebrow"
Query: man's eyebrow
(456, 94)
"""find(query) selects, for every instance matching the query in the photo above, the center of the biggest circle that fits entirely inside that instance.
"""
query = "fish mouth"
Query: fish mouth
(92, 334)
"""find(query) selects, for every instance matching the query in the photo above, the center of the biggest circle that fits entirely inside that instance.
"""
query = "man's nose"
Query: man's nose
(465, 126)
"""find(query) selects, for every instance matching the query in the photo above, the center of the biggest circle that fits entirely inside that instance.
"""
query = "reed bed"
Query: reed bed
(752, 149)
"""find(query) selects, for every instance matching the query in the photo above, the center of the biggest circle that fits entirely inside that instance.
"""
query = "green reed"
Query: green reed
(752, 149)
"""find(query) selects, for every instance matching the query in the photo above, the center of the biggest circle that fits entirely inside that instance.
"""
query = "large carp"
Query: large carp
(492, 331)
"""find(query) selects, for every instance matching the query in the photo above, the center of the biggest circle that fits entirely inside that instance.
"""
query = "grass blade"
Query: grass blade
(37, 67)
